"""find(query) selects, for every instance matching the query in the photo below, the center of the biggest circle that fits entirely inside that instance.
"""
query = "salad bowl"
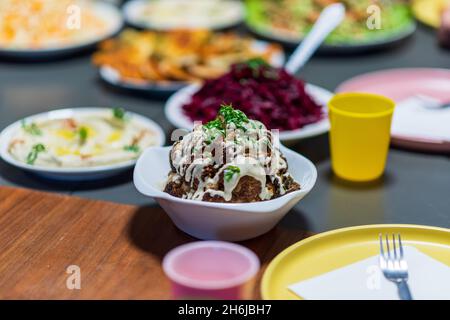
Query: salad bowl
(176, 116)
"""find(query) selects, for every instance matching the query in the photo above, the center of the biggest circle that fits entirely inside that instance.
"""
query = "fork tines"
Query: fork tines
(391, 252)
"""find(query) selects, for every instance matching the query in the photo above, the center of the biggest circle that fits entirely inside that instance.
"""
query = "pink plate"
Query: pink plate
(413, 126)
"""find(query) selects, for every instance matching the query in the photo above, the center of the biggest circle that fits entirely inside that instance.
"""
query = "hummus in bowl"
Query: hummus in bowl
(79, 141)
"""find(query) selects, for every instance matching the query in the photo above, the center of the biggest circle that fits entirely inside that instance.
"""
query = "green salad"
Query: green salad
(292, 19)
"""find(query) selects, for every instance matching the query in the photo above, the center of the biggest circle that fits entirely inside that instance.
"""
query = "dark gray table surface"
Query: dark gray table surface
(415, 188)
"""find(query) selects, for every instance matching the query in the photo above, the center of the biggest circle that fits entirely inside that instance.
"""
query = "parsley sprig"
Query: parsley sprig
(31, 128)
(227, 115)
(119, 113)
(256, 63)
(215, 125)
(33, 154)
(234, 116)
(132, 148)
(230, 171)
(259, 67)
(83, 134)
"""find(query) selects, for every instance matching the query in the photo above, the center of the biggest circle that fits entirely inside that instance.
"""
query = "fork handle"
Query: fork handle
(403, 290)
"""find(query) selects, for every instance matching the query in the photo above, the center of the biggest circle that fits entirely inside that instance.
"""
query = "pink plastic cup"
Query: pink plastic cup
(210, 270)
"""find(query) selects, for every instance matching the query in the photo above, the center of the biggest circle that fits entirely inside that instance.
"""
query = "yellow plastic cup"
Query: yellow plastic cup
(360, 135)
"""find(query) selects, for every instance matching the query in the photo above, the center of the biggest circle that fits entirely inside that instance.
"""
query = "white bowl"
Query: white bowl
(72, 174)
(176, 116)
(220, 221)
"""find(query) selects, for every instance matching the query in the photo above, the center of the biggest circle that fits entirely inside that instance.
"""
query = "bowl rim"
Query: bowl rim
(6, 135)
(261, 206)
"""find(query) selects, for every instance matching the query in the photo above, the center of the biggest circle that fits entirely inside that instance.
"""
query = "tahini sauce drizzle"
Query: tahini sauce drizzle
(193, 154)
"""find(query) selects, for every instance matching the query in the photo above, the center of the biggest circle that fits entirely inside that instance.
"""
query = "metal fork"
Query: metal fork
(432, 103)
(394, 266)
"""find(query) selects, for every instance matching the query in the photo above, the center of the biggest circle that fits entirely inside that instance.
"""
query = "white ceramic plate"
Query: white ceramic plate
(72, 174)
(220, 221)
(133, 9)
(108, 12)
(112, 76)
(174, 112)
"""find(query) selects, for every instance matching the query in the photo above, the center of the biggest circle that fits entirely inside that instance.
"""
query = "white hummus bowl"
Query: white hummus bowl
(220, 221)
(78, 173)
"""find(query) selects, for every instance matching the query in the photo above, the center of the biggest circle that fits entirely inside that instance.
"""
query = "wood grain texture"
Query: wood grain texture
(118, 247)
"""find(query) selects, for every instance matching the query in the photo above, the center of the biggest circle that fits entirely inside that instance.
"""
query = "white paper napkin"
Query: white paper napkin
(363, 280)
(412, 119)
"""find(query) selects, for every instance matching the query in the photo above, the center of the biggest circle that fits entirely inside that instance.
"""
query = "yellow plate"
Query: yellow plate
(429, 11)
(331, 250)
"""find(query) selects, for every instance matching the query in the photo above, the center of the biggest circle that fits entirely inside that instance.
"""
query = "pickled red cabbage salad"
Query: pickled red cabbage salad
(264, 93)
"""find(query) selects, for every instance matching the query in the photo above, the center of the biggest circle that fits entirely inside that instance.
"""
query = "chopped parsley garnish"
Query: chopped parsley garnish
(31, 128)
(33, 154)
(226, 115)
(132, 148)
(119, 113)
(215, 124)
(83, 134)
(256, 63)
(260, 67)
(231, 115)
(230, 172)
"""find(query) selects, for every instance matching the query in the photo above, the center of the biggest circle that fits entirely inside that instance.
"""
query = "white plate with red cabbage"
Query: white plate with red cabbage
(270, 95)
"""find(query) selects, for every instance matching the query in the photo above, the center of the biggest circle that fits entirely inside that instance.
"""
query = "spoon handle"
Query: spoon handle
(329, 19)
